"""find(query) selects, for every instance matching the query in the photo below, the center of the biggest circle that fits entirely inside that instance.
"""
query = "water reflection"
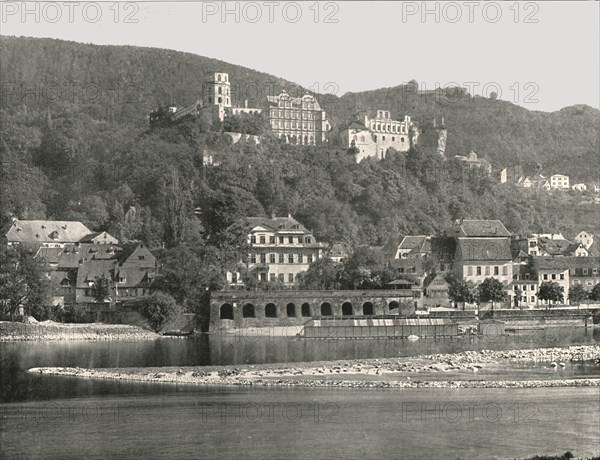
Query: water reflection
(16, 358)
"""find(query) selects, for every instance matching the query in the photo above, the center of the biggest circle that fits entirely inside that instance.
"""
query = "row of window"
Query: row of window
(399, 128)
(123, 292)
(262, 239)
(281, 258)
(583, 271)
(291, 125)
(553, 276)
(486, 270)
(588, 283)
(294, 114)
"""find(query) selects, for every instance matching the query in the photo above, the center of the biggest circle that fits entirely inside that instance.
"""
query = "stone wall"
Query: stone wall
(234, 309)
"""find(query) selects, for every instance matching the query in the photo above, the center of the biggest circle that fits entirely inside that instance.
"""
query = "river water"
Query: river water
(57, 417)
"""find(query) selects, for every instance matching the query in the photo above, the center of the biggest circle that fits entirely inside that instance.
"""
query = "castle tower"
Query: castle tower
(216, 93)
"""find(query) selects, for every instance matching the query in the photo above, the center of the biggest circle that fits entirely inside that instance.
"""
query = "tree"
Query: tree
(160, 308)
(595, 294)
(551, 291)
(491, 290)
(102, 289)
(518, 294)
(577, 293)
(323, 273)
(460, 291)
(23, 281)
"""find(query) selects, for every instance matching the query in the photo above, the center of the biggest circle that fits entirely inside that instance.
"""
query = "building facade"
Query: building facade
(298, 120)
(559, 181)
(376, 135)
(280, 249)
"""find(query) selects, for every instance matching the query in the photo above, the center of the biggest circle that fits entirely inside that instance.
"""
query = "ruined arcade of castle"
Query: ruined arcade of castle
(376, 135)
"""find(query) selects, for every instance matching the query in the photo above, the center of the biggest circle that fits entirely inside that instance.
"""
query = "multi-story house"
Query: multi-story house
(483, 251)
(298, 120)
(559, 181)
(280, 249)
(553, 270)
(436, 288)
(524, 286)
(131, 270)
(376, 135)
(584, 271)
(585, 238)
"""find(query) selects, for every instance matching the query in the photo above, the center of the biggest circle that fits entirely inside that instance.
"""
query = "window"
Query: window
(262, 239)
(281, 277)
(252, 258)
(271, 239)
(505, 270)
(270, 310)
(585, 271)
(263, 258)
(290, 277)
(553, 276)
(478, 272)
(141, 257)
(291, 240)
(562, 276)
(234, 277)
(281, 240)
(545, 276)
(272, 277)
(281, 258)
(496, 270)
(253, 239)
(470, 270)
(533, 298)
(487, 270)
(309, 259)
(290, 258)
(271, 258)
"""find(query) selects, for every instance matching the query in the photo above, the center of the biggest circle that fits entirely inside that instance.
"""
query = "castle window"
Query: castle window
(219, 77)
(220, 90)
(220, 100)
(402, 139)
(272, 258)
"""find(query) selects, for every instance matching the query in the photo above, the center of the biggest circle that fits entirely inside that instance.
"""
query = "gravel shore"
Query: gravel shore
(51, 331)
(485, 369)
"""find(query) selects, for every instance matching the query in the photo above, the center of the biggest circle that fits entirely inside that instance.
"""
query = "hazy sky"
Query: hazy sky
(541, 55)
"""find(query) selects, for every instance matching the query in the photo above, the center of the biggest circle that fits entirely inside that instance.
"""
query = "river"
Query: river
(55, 417)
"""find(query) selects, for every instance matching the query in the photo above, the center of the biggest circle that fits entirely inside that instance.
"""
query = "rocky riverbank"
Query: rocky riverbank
(486, 369)
(51, 331)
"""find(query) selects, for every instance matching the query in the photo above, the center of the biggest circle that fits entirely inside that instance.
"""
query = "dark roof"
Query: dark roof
(481, 228)
(484, 249)
(92, 269)
(555, 247)
(566, 262)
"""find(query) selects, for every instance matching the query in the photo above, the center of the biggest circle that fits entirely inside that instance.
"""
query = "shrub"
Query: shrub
(159, 308)
(75, 313)
(47, 312)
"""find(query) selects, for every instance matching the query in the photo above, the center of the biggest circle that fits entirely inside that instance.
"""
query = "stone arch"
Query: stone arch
(326, 309)
(291, 310)
(226, 311)
(270, 310)
(248, 311)
(305, 309)
(368, 308)
(347, 309)
(394, 305)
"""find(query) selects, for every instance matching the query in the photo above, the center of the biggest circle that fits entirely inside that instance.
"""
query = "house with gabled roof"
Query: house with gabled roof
(45, 233)
(280, 249)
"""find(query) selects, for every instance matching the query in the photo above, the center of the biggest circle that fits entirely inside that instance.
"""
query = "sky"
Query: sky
(540, 55)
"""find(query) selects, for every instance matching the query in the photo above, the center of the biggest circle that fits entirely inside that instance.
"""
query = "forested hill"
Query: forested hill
(127, 82)
(123, 83)
(566, 141)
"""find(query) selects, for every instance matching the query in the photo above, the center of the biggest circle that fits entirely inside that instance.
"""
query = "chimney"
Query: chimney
(246, 103)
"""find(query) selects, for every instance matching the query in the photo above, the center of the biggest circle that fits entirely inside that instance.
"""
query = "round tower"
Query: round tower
(216, 90)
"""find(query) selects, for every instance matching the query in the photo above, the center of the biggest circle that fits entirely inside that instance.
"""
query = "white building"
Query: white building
(559, 181)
